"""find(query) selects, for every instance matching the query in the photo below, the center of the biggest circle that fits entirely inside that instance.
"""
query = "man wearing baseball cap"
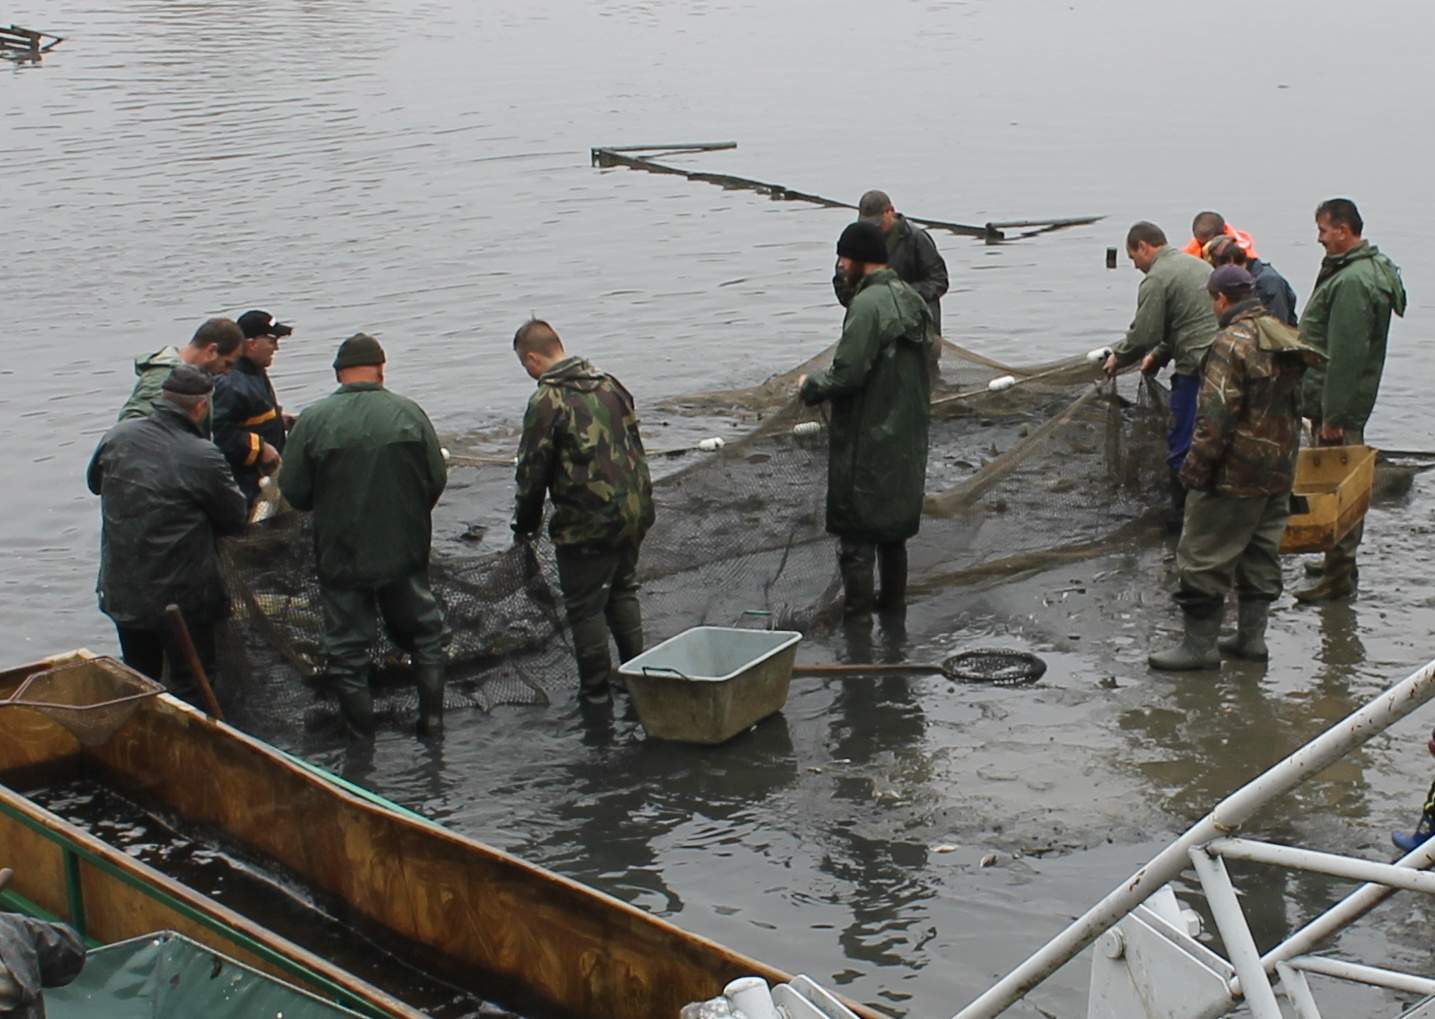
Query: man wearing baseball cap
(1238, 472)
(165, 495)
(249, 424)
(368, 465)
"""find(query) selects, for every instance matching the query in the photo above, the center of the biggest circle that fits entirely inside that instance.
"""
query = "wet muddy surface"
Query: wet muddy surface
(433, 186)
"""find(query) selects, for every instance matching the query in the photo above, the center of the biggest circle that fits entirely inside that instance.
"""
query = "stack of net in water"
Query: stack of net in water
(1050, 469)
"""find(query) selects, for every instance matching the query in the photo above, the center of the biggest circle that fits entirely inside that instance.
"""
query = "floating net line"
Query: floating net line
(1050, 469)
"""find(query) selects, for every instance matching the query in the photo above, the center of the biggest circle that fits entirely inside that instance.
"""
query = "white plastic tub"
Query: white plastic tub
(710, 683)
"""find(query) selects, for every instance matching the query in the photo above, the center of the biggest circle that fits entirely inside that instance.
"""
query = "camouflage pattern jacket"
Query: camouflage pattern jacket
(1248, 411)
(581, 445)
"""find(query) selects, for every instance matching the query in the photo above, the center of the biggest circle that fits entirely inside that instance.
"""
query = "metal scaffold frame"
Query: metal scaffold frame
(1145, 954)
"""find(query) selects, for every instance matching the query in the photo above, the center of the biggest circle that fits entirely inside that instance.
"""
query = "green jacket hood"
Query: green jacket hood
(901, 301)
(1386, 273)
(573, 373)
(165, 357)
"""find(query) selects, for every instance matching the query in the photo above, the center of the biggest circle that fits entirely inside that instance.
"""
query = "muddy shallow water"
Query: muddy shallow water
(420, 170)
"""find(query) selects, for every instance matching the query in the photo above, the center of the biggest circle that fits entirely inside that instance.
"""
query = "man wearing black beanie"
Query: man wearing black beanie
(879, 388)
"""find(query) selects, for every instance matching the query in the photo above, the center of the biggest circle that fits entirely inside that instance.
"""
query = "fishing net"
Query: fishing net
(998, 666)
(91, 699)
(1054, 467)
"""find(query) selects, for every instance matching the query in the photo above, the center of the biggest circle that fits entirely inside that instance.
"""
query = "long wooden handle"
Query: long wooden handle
(846, 669)
(191, 656)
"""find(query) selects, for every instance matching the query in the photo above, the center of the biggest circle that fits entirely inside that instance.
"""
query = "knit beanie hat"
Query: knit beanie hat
(359, 349)
(863, 242)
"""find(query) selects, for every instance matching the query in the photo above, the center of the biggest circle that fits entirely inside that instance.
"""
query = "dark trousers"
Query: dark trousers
(1184, 390)
(412, 617)
(855, 559)
(148, 651)
(600, 594)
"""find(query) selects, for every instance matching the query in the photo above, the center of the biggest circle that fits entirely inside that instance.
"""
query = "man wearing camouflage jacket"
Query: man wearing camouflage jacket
(1239, 472)
(581, 446)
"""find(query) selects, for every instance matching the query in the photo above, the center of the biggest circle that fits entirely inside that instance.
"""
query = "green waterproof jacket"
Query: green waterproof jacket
(1173, 314)
(368, 464)
(1348, 319)
(880, 391)
(152, 370)
(581, 446)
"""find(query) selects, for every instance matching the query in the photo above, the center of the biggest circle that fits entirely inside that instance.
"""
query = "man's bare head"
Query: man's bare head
(1207, 225)
(538, 346)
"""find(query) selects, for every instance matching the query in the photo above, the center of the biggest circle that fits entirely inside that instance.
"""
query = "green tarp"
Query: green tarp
(168, 976)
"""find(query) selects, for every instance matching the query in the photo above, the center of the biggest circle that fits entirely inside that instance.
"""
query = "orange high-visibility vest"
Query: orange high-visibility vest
(1243, 241)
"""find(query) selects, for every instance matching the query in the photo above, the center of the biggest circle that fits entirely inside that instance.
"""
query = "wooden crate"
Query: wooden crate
(1335, 483)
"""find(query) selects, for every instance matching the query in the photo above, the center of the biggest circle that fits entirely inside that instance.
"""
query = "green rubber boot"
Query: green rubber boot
(1196, 651)
(357, 709)
(1249, 640)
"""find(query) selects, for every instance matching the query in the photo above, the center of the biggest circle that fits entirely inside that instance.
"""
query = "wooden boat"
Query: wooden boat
(540, 940)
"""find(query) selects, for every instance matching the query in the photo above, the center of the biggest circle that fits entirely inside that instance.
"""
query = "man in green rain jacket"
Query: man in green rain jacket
(366, 461)
(581, 446)
(1348, 319)
(879, 388)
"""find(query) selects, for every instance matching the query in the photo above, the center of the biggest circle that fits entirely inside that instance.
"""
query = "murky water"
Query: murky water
(420, 170)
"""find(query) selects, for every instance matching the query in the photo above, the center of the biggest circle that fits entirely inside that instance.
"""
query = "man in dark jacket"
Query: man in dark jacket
(214, 347)
(1348, 319)
(1239, 472)
(368, 464)
(879, 386)
(165, 494)
(912, 254)
(1271, 287)
(249, 424)
(581, 446)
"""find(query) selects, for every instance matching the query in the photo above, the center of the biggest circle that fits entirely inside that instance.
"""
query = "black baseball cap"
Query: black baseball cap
(261, 323)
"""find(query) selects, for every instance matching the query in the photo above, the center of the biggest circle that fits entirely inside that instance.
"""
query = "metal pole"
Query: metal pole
(1327, 748)
(1298, 990)
(1347, 911)
(1324, 863)
(1236, 933)
(1356, 973)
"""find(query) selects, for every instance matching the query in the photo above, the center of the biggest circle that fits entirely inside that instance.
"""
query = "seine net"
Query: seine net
(1052, 468)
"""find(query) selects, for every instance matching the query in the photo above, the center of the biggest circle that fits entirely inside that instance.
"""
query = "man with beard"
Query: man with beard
(1348, 319)
(214, 347)
(879, 388)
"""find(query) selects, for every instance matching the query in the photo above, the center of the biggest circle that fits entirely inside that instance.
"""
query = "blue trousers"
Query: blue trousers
(1183, 418)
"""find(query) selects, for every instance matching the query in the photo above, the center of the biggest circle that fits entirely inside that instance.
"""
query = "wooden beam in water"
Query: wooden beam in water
(606, 156)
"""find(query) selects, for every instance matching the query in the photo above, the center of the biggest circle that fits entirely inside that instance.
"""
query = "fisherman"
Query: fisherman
(879, 386)
(249, 424)
(35, 954)
(1239, 472)
(581, 446)
(912, 253)
(214, 347)
(165, 493)
(1208, 225)
(368, 464)
(1173, 320)
(1348, 319)
(1271, 287)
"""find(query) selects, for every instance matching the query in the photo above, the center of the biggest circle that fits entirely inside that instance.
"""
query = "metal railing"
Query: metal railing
(1210, 842)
